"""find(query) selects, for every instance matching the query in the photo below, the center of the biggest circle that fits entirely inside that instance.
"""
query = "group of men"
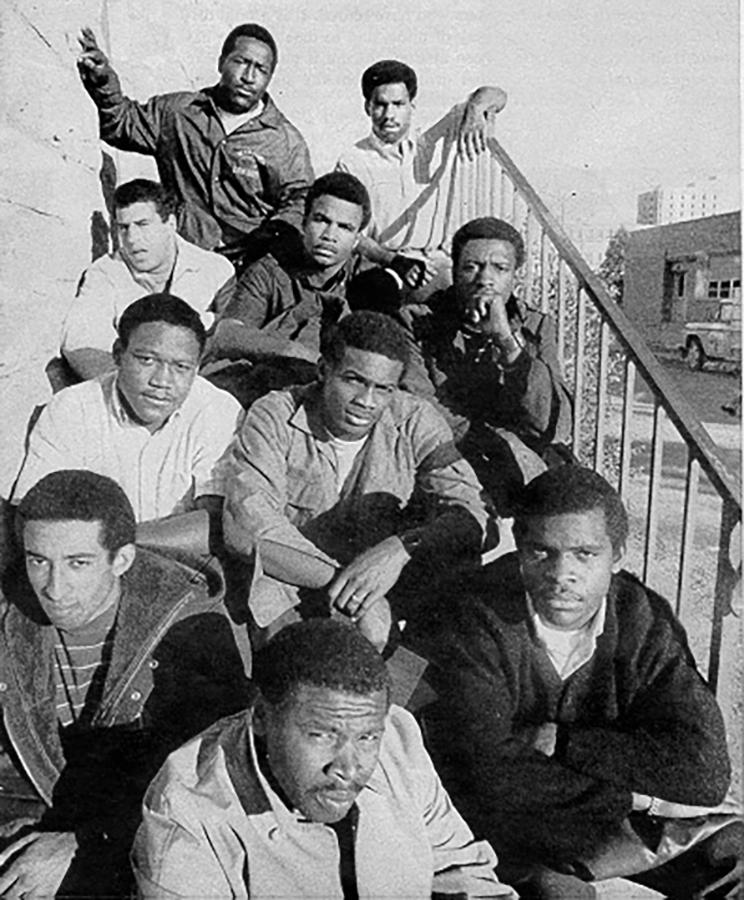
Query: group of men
(298, 425)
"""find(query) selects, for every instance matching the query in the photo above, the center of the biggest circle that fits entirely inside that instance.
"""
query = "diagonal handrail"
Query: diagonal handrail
(676, 406)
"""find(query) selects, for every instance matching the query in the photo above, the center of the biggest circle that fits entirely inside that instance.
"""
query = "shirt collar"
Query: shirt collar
(580, 645)
(398, 151)
(269, 115)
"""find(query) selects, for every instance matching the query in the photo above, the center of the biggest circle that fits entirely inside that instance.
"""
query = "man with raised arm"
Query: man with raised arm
(153, 424)
(110, 657)
(577, 734)
(321, 789)
(271, 326)
(398, 169)
(151, 259)
(238, 167)
(349, 493)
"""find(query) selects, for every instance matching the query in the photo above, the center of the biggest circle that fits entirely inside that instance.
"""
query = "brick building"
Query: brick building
(680, 273)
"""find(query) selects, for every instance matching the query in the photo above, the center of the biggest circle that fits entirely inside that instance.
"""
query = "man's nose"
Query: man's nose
(345, 763)
(55, 583)
(561, 568)
(366, 397)
(161, 375)
(249, 74)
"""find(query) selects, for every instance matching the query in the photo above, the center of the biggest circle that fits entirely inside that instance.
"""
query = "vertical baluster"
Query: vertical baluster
(472, 206)
(544, 271)
(496, 182)
(688, 529)
(722, 654)
(561, 313)
(529, 263)
(482, 191)
(626, 438)
(654, 486)
(579, 369)
(506, 196)
(602, 389)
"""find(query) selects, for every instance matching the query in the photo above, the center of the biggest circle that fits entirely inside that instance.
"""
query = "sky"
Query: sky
(606, 98)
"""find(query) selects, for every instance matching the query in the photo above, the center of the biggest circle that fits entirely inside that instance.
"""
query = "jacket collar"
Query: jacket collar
(270, 116)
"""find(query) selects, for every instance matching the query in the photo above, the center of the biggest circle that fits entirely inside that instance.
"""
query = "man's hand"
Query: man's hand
(34, 865)
(92, 62)
(375, 624)
(367, 579)
(491, 315)
(541, 737)
(473, 134)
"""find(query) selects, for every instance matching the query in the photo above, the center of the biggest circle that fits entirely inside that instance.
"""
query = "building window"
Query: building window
(712, 290)
(724, 291)
(679, 285)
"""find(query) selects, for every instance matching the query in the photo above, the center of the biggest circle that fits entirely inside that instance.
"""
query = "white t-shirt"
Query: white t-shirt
(346, 452)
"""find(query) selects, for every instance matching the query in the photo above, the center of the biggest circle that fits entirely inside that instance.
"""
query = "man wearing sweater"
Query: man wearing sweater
(583, 742)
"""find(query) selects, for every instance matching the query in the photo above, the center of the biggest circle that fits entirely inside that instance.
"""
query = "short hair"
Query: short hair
(83, 496)
(389, 71)
(374, 332)
(571, 489)
(490, 229)
(319, 653)
(250, 30)
(143, 190)
(344, 186)
(160, 308)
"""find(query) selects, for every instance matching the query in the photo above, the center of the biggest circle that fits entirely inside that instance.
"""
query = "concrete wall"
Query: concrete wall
(714, 241)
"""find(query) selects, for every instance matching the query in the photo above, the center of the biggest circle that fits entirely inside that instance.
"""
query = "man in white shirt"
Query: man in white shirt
(153, 425)
(406, 232)
(151, 259)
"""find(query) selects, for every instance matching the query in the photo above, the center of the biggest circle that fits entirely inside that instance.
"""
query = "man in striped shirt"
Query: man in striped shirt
(110, 656)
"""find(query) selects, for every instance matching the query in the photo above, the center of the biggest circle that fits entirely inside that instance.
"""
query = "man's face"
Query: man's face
(322, 746)
(356, 391)
(331, 230)
(145, 241)
(74, 577)
(156, 370)
(567, 562)
(485, 273)
(245, 74)
(390, 109)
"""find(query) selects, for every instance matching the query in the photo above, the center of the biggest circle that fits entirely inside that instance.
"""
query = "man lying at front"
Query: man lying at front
(349, 492)
(153, 425)
(321, 789)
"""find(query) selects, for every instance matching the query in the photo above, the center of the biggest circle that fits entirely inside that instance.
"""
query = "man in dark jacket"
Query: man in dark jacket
(586, 743)
(492, 363)
(239, 168)
(110, 657)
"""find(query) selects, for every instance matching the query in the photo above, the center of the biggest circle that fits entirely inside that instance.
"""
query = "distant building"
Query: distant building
(591, 240)
(664, 205)
(681, 273)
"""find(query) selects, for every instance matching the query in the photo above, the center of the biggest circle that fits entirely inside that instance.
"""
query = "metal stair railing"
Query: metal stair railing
(631, 422)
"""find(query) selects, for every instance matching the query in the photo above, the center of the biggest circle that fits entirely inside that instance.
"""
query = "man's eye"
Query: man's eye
(144, 360)
(79, 563)
(183, 368)
(585, 554)
(35, 561)
(371, 737)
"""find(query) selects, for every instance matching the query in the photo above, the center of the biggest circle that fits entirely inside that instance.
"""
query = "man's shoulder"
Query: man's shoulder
(162, 579)
(87, 395)
(274, 117)
(195, 257)
(207, 399)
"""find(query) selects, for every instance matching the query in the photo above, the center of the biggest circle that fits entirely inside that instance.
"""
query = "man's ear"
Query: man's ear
(618, 557)
(123, 559)
(368, 108)
(171, 222)
(322, 370)
(117, 351)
